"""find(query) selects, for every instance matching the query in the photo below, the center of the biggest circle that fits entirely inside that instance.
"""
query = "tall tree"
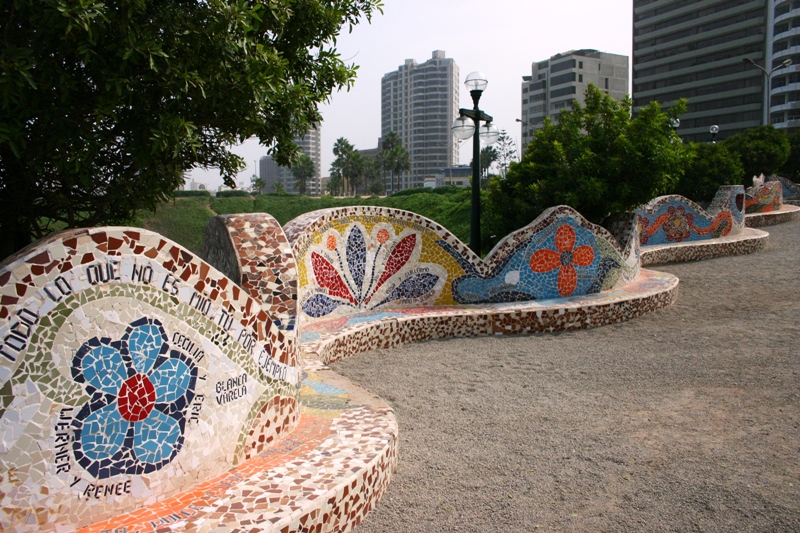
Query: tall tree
(302, 170)
(104, 104)
(506, 150)
(394, 158)
(349, 165)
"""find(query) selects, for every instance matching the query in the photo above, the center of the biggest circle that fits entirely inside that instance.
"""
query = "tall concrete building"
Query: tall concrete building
(420, 103)
(555, 82)
(783, 36)
(272, 173)
(697, 50)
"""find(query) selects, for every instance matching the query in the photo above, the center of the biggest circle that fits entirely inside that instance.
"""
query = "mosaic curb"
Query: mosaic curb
(748, 241)
(787, 213)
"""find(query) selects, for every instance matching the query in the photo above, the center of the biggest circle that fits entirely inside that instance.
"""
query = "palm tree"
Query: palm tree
(394, 157)
(302, 170)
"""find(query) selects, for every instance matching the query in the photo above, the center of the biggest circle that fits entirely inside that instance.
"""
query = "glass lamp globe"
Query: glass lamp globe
(675, 123)
(476, 81)
(489, 134)
(463, 128)
(714, 129)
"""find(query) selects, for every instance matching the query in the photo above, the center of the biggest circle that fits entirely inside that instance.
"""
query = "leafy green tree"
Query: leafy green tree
(710, 165)
(258, 184)
(791, 168)
(762, 150)
(394, 158)
(104, 104)
(279, 188)
(302, 170)
(597, 159)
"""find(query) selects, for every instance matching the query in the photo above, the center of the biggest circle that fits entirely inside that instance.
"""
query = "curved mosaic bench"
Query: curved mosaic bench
(372, 277)
(142, 389)
(765, 206)
(673, 228)
(789, 189)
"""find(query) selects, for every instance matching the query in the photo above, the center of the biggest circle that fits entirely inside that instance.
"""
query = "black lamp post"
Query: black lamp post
(713, 130)
(767, 77)
(467, 125)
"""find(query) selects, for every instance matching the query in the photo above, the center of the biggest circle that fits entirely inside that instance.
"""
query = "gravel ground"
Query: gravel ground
(683, 420)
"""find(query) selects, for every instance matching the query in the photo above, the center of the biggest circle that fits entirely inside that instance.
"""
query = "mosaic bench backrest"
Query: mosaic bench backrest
(790, 189)
(253, 249)
(764, 198)
(367, 258)
(130, 370)
(673, 219)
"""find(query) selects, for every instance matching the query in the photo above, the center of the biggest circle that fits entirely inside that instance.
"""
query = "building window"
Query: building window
(606, 83)
(580, 78)
(580, 64)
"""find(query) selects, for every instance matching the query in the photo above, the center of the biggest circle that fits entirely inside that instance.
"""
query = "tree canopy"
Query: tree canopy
(762, 150)
(597, 158)
(104, 105)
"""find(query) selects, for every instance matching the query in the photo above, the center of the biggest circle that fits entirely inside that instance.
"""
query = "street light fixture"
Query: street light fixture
(713, 130)
(767, 77)
(476, 83)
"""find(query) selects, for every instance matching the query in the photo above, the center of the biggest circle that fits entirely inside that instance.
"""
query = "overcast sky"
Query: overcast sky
(500, 38)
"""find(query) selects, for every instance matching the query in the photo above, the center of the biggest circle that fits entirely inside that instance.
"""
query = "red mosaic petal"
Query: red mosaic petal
(567, 280)
(329, 278)
(583, 256)
(545, 260)
(565, 238)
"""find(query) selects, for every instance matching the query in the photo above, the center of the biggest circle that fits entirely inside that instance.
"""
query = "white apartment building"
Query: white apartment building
(555, 82)
(420, 103)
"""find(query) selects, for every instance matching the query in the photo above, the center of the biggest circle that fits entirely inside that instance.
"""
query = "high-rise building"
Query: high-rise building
(783, 36)
(272, 173)
(555, 82)
(697, 50)
(420, 103)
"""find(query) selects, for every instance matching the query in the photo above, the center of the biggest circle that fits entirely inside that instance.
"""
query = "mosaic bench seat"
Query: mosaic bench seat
(143, 390)
(766, 206)
(371, 277)
(673, 228)
(790, 190)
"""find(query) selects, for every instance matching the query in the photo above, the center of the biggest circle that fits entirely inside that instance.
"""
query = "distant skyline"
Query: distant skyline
(512, 34)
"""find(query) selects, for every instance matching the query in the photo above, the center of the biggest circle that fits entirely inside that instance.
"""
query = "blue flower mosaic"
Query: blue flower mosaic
(135, 419)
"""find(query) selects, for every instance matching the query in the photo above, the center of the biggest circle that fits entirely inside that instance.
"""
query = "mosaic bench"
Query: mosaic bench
(371, 277)
(143, 390)
(765, 206)
(673, 228)
(790, 189)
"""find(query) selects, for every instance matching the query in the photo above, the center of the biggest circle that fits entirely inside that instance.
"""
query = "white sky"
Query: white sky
(510, 35)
